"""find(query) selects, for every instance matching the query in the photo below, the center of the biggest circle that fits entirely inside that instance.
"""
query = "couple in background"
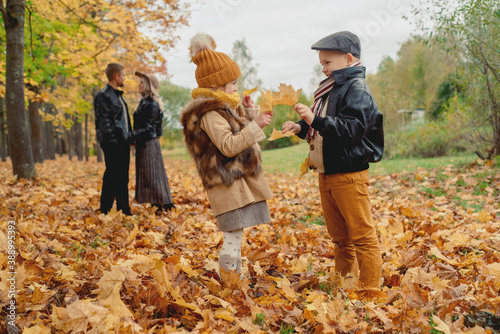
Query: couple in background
(115, 135)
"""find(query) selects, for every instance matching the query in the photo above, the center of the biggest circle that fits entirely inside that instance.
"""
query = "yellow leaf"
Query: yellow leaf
(440, 325)
(250, 91)
(38, 329)
(484, 216)
(115, 304)
(133, 234)
(224, 314)
(76, 316)
(304, 168)
(267, 101)
(439, 284)
(287, 95)
(279, 134)
(108, 282)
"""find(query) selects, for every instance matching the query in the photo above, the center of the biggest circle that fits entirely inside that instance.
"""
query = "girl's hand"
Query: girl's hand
(305, 112)
(248, 102)
(264, 119)
(289, 125)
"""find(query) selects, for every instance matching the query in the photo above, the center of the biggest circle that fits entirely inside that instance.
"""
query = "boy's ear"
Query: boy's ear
(350, 59)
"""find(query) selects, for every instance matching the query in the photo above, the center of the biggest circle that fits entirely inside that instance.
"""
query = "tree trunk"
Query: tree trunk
(36, 130)
(50, 137)
(78, 138)
(59, 142)
(3, 132)
(86, 137)
(98, 151)
(69, 141)
(19, 141)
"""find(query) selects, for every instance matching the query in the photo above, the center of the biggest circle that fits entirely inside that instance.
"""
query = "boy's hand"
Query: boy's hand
(248, 102)
(264, 119)
(305, 112)
(289, 125)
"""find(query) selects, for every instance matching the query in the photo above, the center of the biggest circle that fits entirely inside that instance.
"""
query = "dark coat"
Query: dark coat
(147, 121)
(109, 121)
(352, 131)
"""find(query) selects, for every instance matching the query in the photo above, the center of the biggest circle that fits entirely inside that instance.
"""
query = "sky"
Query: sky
(279, 34)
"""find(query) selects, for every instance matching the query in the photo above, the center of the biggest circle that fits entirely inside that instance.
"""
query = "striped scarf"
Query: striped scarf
(324, 88)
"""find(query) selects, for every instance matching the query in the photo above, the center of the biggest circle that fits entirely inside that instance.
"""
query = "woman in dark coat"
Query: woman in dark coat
(151, 178)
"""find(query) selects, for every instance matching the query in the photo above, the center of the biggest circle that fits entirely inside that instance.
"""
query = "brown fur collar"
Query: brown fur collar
(222, 169)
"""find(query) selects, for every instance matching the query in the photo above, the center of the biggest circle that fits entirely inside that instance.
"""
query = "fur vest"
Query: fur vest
(214, 167)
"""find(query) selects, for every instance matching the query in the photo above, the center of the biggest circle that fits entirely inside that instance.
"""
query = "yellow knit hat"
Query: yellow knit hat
(213, 69)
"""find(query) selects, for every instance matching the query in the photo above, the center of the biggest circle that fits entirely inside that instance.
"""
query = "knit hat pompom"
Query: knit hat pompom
(213, 69)
(201, 42)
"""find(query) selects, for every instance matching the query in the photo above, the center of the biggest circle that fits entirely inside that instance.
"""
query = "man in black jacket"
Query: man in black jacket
(112, 123)
(345, 133)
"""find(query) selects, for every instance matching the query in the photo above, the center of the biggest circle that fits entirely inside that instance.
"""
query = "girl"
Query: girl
(222, 139)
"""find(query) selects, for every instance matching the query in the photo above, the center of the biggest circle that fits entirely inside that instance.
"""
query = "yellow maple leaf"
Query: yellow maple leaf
(484, 216)
(108, 282)
(250, 91)
(115, 304)
(304, 168)
(267, 101)
(287, 95)
(277, 134)
(224, 314)
(76, 316)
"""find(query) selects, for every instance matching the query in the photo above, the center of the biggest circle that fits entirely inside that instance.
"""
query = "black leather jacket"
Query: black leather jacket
(109, 121)
(147, 121)
(352, 131)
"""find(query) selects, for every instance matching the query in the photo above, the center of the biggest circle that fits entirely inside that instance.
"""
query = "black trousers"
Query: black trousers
(115, 179)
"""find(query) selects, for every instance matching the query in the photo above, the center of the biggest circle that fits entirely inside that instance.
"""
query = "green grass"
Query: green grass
(289, 159)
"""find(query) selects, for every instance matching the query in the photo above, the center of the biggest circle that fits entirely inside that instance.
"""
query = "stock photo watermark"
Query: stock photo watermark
(380, 20)
(225, 6)
(11, 275)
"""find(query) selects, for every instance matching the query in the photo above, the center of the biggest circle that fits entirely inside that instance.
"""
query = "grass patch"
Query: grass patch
(176, 154)
(289, 159)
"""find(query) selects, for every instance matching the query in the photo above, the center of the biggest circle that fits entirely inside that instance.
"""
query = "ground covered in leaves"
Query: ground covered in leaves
(78, 271)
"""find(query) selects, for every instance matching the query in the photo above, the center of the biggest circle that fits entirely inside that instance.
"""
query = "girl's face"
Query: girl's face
(142, 86)
(332, 61)
(230, 88)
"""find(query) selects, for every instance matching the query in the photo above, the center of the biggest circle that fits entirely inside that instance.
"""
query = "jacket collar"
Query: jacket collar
(116, 91)
(347, 73)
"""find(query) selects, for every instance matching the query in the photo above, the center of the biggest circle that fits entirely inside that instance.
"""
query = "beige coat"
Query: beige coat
(244, 190)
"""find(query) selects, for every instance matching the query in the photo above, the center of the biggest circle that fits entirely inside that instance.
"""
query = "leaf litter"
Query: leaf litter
(83, 272)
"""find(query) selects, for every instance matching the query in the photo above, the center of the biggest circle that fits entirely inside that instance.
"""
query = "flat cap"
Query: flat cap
(344, 41)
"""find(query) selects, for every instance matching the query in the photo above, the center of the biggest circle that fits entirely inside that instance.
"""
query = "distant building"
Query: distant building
(412, 117)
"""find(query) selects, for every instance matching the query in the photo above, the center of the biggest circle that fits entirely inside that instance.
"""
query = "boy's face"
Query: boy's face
(332, 61)
(230, 87)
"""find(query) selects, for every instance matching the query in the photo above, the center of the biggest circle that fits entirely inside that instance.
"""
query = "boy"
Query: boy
(344, 130)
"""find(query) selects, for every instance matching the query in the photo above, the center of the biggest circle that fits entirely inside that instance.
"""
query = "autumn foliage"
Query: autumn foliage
(79, 271)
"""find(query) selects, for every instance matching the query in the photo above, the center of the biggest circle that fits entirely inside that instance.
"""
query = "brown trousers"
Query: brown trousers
(347, 209)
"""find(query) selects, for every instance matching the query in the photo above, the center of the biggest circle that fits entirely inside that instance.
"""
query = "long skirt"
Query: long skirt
(151, 178)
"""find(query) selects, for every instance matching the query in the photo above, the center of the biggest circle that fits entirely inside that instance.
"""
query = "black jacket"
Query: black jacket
(109, 121)
(147, 121)
(352, 131)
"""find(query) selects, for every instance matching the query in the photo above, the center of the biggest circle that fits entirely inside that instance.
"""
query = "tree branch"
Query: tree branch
(83, 20)
(2, 9)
